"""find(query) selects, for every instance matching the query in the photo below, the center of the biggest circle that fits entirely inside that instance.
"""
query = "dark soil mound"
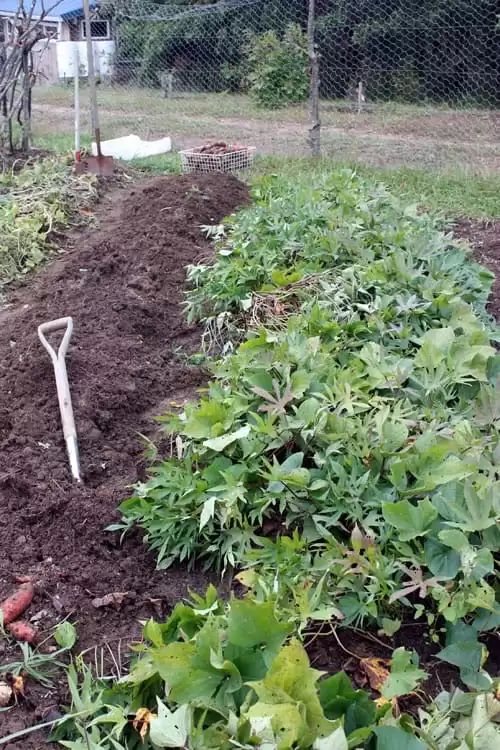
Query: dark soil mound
(123, 286)
(484, 236)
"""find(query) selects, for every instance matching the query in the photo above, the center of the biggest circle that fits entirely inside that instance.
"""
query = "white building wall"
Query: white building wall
(103, 58)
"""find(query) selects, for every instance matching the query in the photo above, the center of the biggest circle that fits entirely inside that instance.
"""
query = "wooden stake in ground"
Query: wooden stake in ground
(315, 123)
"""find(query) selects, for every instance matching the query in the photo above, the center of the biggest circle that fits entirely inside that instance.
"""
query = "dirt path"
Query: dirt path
(257, 127)
(123, 285)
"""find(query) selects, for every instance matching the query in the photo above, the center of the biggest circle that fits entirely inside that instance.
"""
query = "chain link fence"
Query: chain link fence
(413, 82)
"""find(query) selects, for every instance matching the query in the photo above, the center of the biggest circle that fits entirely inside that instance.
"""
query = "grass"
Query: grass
(136, 100)
(450, 179)
(457, 192)
(454, 193)
(388, 134)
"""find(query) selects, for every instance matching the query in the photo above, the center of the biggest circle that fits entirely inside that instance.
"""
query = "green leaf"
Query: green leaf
(170, 728)
(410, 520)
(475, 680)
(465, 655)
(394, 738)
(187, 682)
(207, 512)
(294, 461)
(436, 344)
(115, 715)
(220, 443)
(484, 564)
(65, 635)
(464, 508)
(359, 738)
(493, 369)
(442, 561)
(307, 411)
(153, 632)
(487, 620)
(455, 539)
(405, 674)
(339, 699)
(289, 471)
(451, 470)
(251, 625)
(390, 627)
(394, 436)
(335, 694)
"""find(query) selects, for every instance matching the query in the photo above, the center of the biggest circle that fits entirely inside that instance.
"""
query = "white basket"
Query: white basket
(234, 161)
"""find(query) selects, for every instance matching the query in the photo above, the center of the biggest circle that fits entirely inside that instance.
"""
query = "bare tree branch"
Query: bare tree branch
(17, 74)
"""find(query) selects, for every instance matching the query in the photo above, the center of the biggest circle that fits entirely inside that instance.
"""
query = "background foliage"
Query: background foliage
(439, 50)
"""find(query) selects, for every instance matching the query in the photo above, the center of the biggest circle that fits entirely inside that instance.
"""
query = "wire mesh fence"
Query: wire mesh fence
(401, 81)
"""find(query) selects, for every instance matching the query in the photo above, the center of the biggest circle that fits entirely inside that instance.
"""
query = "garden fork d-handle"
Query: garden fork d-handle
(63, 392)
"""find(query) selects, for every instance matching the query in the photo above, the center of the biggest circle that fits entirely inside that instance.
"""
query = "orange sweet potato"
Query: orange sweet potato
(16, 603)
(22, 631)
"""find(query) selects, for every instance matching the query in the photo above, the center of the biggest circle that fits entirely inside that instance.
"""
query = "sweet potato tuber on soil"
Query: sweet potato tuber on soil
(22, 631)
(16, 603)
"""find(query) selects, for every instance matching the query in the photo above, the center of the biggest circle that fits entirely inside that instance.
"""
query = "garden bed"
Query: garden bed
(123, 285)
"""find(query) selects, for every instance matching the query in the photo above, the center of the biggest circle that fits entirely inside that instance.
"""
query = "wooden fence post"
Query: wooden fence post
(314, 119)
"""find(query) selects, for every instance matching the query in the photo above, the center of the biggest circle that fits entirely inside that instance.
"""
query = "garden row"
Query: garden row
(35, 202)
(344, 459)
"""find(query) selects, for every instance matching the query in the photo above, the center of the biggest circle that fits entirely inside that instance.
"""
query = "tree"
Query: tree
(441, 50)
(17, 74)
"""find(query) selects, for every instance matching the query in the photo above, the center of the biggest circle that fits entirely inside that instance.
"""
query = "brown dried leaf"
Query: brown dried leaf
(376, 671)
(142, 721)
(22, 579)
(39, 615)
(114, 599)
(16, 682)
(58, 605)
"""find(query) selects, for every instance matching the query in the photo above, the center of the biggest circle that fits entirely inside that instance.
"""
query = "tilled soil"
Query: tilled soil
(484, 236)
(123, 286)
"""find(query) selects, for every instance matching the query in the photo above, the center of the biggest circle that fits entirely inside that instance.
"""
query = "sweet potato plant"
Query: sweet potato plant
(344, 456)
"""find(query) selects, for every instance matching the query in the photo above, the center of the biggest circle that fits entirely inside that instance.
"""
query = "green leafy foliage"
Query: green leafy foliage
(219, 676)
(34, 202)
(405, 674)
(277, 68)
(351, 420)
(396, 62)
(214, 675)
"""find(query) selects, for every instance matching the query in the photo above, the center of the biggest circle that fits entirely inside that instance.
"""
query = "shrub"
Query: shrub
(278, 68)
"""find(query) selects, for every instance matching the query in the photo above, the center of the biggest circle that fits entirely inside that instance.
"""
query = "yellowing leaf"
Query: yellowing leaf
(247, 578)
(170, 728)
(376, 671)
(382, 701)
(292, 682)
(17, 685)
(143, 719)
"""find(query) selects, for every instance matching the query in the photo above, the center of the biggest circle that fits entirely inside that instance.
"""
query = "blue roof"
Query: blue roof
(62, 9)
